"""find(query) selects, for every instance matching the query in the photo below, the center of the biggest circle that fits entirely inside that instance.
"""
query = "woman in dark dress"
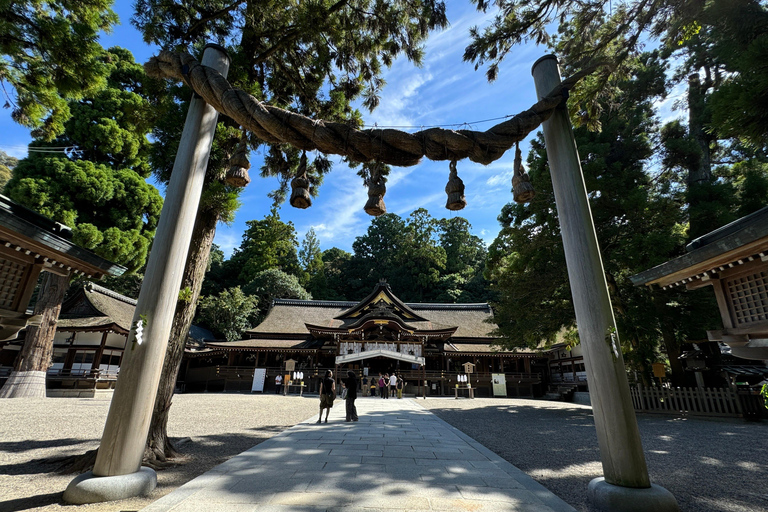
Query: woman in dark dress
(327, 395)
(351, 383)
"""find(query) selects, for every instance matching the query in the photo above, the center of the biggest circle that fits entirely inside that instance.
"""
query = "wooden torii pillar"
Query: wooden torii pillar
(117, 473)
(626, 486)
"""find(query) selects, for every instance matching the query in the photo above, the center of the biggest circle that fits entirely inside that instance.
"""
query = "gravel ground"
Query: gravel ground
(219, 425)
(710, 465)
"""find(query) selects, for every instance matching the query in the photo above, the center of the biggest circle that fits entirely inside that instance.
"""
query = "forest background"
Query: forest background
(654, 186)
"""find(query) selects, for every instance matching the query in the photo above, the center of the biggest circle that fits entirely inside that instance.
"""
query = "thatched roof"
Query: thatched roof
(266, 344)
(485, 348)
(289, 316)
(94, 306)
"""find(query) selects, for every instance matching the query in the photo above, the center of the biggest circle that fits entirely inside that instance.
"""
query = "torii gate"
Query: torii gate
(118, 474)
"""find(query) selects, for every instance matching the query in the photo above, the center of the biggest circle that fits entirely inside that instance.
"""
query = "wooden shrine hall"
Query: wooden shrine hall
(422, 342)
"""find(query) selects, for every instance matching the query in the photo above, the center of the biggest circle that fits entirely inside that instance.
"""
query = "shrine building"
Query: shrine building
(420, 341)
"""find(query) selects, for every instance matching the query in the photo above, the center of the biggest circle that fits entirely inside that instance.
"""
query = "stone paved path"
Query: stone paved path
(399, 456)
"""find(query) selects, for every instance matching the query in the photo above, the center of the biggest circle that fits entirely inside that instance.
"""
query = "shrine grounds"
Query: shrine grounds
(710, 465)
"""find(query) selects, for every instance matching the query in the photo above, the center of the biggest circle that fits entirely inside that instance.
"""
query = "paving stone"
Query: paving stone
(399, 457)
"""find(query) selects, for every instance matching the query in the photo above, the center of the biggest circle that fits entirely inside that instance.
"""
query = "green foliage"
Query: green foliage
(50, 54)
(5, 175)
(229, 313)
(7, 160)
(423, 259)
(639, 222)
(311, 261)
(126, 284)
(267, 244)
(272, 284)
(111, 209)
(731, 34)
(316, 58)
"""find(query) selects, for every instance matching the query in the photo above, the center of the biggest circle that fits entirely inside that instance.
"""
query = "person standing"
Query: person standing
(400, 386)
(365, 388)
(382, 386)
(327, 395)
(278, 383)
(351, 383)
(392, 384)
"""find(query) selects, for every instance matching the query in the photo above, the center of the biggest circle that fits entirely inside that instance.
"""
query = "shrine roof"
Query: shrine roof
(485, 348)
(27, 231)
(267, 344)
(740, 241)
(96, 306)
(290, 316)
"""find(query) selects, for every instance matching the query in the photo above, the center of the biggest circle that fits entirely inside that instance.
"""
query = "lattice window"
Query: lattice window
(749, 297)
(11, 277)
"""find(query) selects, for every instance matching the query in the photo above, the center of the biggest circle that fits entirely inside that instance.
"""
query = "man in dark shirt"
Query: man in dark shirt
(351, 384)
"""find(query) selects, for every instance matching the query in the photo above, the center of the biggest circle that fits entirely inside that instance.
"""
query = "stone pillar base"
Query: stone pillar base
(24, 385)
(87, 488)
(605, 497)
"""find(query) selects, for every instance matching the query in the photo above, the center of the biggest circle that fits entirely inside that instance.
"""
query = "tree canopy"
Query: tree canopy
(99, 189)
(51, 55)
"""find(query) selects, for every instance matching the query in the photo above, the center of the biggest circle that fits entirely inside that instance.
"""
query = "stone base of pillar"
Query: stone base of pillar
(87, 488)
(605, 497)
(24, 385)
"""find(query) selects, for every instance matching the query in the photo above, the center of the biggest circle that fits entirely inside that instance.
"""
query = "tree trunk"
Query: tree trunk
(702, 173)
(159, 448)
(28, 377)
(677, 372)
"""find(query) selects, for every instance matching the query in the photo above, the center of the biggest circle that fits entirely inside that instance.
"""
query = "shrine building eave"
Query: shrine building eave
(381, 293)
(319, 331)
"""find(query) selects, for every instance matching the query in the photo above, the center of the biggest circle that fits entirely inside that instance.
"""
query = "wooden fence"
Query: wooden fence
(687, 401)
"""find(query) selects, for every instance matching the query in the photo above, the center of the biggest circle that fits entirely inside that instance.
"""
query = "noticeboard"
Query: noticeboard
(259, 374)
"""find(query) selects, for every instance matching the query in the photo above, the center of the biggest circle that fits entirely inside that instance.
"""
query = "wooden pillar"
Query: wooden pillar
(100, 351)
(125, 432)
(618, 436)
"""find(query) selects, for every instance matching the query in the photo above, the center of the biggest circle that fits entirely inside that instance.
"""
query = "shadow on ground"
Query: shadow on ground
(709, 465)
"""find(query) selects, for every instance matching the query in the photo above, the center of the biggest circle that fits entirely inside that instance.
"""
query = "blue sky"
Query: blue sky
(445, 90)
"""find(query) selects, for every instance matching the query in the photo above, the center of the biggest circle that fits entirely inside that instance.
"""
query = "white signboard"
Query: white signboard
(258, 380)
(499, 384)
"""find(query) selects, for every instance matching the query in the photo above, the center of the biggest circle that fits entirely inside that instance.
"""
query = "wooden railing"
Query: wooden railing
(90, 373)
(687, 401)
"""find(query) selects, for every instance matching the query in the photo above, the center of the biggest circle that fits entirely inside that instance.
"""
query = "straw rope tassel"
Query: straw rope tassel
(455, 190)
(376, 190)
(522, 190)
(300, 197)
(237, 174)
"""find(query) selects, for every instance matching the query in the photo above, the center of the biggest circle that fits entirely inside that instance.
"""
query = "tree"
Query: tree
(315, 58)
(587, 33)
(112, 210)
(639, 224)
(311, 261)
(51, 56)
(267, 244)
(336, 273)
(272, 284)
(7, 163)
(230, 313)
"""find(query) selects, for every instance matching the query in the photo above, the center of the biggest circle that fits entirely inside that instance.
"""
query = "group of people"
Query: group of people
(386, 383)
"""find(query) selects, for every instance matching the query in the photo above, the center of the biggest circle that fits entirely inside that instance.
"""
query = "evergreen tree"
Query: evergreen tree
(50, 56)
(104, 198)
(272, 284)
(267, 244)
(311, 261)
(640, 223)
(230, 313)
